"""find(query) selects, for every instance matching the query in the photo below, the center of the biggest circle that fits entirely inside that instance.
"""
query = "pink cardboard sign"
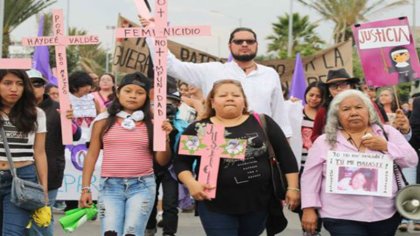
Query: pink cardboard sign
(136, 32)
(387, 52)
(211, 147)
(160, 31)
(16, 63)
(60, 41)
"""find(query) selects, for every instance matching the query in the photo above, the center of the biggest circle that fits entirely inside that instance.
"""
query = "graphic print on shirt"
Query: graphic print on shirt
(18, 142)
(249, 167)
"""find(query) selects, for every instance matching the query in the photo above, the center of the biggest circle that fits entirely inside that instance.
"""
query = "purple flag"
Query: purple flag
(41, 60)
(230, 58)
(298, 87)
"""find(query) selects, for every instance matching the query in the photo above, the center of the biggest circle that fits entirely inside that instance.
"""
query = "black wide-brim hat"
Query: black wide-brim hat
(339, 75)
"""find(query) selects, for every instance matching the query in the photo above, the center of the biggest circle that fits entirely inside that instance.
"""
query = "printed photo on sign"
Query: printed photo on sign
(359, 174)
(357, 179)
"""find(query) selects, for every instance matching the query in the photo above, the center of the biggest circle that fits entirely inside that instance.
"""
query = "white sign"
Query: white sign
(384, 37)
(72, 181)
(359, 174)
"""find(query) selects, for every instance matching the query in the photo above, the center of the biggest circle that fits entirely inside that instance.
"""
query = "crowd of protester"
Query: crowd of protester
(141, 189)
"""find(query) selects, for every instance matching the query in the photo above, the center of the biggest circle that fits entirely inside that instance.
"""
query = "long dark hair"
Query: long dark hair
(394, 104)
(116, 107)
(114, 90)
(23, 114)
(321, 89)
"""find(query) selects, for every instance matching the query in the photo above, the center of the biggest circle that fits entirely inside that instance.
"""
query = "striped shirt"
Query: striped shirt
(21, 145)
(307, 128)
(126, 152)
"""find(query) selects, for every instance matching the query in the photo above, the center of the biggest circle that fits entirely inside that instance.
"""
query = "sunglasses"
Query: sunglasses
(339, 85)
(38, 83)
(241, 41)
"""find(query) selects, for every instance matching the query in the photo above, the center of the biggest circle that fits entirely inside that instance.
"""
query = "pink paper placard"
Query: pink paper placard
(63, 41)
(387, 52)
(15, 63)
(160, 94)
(211, 147)
(160, 32)
(60, 41)
(62, 77)
(137, 32)
(40, 41)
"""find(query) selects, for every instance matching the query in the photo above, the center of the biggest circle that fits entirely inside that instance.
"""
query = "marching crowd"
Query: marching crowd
(341, 114)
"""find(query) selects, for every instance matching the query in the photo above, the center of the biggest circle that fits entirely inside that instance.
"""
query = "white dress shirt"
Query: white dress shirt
(262, 86)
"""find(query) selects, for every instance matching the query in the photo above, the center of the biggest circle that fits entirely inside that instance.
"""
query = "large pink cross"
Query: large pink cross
(60, 41)
(211, 146)
(160, 31)
(15, 63)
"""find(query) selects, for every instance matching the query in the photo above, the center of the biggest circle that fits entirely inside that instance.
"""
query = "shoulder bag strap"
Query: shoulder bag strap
(261, 119)
(397, 169)
(7, 150)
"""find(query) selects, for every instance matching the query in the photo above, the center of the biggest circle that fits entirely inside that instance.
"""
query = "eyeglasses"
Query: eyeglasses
(38, 83)
(339, 85)
(241, 41)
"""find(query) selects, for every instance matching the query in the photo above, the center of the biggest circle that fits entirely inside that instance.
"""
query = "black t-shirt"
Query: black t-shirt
(244, 186)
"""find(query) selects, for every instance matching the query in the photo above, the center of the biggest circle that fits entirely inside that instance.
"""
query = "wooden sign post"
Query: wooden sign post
(211, 147)
(60, 41)
(160, 32)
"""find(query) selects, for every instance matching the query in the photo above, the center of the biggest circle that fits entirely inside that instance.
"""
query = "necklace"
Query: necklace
(129, 120)
(351, 140)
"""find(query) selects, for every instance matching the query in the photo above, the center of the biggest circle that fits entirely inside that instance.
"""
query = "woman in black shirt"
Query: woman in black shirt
(244, 188)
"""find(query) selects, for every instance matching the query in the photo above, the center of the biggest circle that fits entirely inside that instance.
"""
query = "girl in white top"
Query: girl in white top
(25, 127)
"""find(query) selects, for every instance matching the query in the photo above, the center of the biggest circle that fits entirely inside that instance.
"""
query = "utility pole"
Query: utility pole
(290, 35)
(1, 26)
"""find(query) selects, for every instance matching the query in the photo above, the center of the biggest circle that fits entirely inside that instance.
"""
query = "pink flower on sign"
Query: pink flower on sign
(192, 144)
(234, 147)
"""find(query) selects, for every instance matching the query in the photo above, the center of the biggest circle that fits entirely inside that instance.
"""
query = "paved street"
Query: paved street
(190, 226)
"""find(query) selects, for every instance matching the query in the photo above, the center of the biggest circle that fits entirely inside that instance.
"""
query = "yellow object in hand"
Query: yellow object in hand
(42, 216)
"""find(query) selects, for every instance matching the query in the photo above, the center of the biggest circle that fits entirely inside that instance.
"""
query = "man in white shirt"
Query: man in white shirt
(261, 83)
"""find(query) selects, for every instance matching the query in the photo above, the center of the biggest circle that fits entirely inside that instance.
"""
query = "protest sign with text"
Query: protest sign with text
(387, 52)
(359, 174)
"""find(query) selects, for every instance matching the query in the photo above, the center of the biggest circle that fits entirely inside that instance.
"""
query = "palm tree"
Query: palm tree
(305, 40)
(345, 13)
(16, 12)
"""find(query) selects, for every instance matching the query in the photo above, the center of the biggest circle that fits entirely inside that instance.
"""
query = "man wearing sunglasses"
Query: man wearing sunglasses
(53, 145)
(261, 83)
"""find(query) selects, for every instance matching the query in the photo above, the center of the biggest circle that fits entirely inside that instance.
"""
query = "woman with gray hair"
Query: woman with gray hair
(352, 127)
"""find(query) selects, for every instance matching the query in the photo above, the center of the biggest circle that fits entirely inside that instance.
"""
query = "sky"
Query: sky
(223, 16)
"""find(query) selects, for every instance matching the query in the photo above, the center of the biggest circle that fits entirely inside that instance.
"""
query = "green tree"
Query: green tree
(305, 40)
(90, 58)
(15, 13)
(345, 13)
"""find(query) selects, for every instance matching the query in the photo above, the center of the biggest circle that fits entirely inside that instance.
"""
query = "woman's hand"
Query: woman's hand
(167, 127)
(374, 142)
(69, 113)
(309, 220)
(292, 198)
(145, 22)
(85, 199)
(197, 190)
(401, 122)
